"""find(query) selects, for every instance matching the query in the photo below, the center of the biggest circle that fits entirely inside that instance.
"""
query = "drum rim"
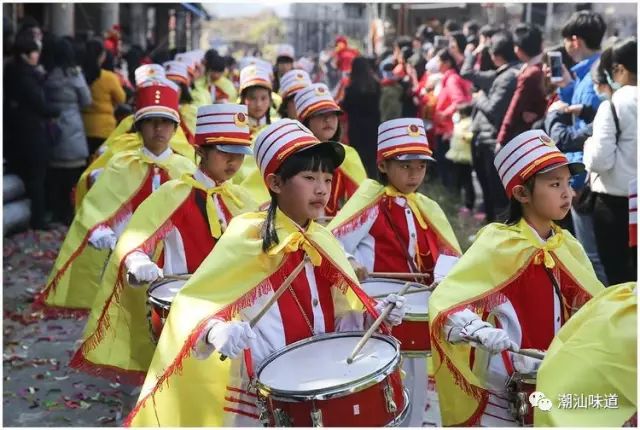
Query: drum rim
(389, 280)
(408, 316)
(335, 391)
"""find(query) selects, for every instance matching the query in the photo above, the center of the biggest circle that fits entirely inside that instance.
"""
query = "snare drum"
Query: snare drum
(159, 298)
(310, 384)
(413, 333)
(519, 388)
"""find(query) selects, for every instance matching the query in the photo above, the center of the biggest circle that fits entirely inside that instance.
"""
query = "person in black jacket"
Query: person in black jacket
(361, 102)
(27, 123)
(489, 110)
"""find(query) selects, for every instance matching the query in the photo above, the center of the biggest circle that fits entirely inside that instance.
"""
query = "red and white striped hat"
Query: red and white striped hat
(148, 72)
(314, 99)
(284, 138)
(403, 139)
(527, 154)
(157, 100)
(226, 126)
(285, 50)
(255, 75)
(177, 72)
(293, 81)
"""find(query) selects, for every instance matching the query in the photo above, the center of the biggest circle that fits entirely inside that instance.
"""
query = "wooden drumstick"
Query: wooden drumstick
(416, 291)
(287, 282)
(398, 275)
(132, 279)
(516, 350)
(376, 324)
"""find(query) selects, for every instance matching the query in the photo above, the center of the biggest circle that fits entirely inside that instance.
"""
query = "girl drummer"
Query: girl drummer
(256, 254)
(388, 226)
(184, 219)
(514, 288)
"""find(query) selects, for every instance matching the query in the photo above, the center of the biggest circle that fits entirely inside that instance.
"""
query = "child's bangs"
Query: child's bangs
(316, 159)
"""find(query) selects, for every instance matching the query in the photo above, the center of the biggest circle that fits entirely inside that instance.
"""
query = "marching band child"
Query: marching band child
(126, 137)
(514, 288)
(317, 110)
(129, 178)
(285, 56)
(388, 226)
(255, 93)
(186, 217)
(178, 73)
(199, 88)
(220, 88)
(290, 83)
(234, 283)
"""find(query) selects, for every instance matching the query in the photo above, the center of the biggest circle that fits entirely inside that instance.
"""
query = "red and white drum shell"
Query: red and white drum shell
(159, 298)
(310, 384)
(519, 388)
(413, 333)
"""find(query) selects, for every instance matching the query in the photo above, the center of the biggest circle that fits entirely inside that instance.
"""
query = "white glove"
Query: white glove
(142, 268)
(103, 238)
(524, 364)
(463, 324)
(494, 339)
(230, 338)
(397, 312)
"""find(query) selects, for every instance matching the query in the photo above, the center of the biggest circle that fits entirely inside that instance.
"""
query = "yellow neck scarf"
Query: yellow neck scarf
(212, 214)
(544, 249)
(296, 239)
(412, 201)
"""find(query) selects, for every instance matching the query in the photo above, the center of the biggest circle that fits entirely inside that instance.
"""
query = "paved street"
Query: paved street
(39, 387)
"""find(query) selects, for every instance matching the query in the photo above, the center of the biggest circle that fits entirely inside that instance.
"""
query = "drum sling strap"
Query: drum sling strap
(201, 203)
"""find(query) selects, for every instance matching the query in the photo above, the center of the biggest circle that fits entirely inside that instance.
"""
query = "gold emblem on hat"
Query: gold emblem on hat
(240, 119)
(299, 76)
(320, 91)
(546, 140)
(413, 130)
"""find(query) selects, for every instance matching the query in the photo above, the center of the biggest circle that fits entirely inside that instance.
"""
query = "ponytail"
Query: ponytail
(268, 233)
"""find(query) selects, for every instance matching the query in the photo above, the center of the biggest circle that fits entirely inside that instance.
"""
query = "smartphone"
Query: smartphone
(441, 42)
(555, 63)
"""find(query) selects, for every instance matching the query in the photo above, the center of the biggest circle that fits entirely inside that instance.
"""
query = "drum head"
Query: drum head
(417, 304)
(320, 363)
(164, 291)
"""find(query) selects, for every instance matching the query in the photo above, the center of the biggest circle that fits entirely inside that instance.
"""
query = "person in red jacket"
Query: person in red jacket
(344, 54)
(455, 91)
(529, 102)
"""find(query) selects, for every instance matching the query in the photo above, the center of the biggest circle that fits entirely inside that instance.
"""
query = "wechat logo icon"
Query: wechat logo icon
(540, 401)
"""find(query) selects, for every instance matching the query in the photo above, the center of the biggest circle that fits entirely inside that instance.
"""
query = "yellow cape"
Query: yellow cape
(121, 140)
(188, 115)
(231, 278)
(368, 195)
(249, 168)
(595, 353)
(116, 340)
(200, 92)
(495, 259)
(74, 279)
